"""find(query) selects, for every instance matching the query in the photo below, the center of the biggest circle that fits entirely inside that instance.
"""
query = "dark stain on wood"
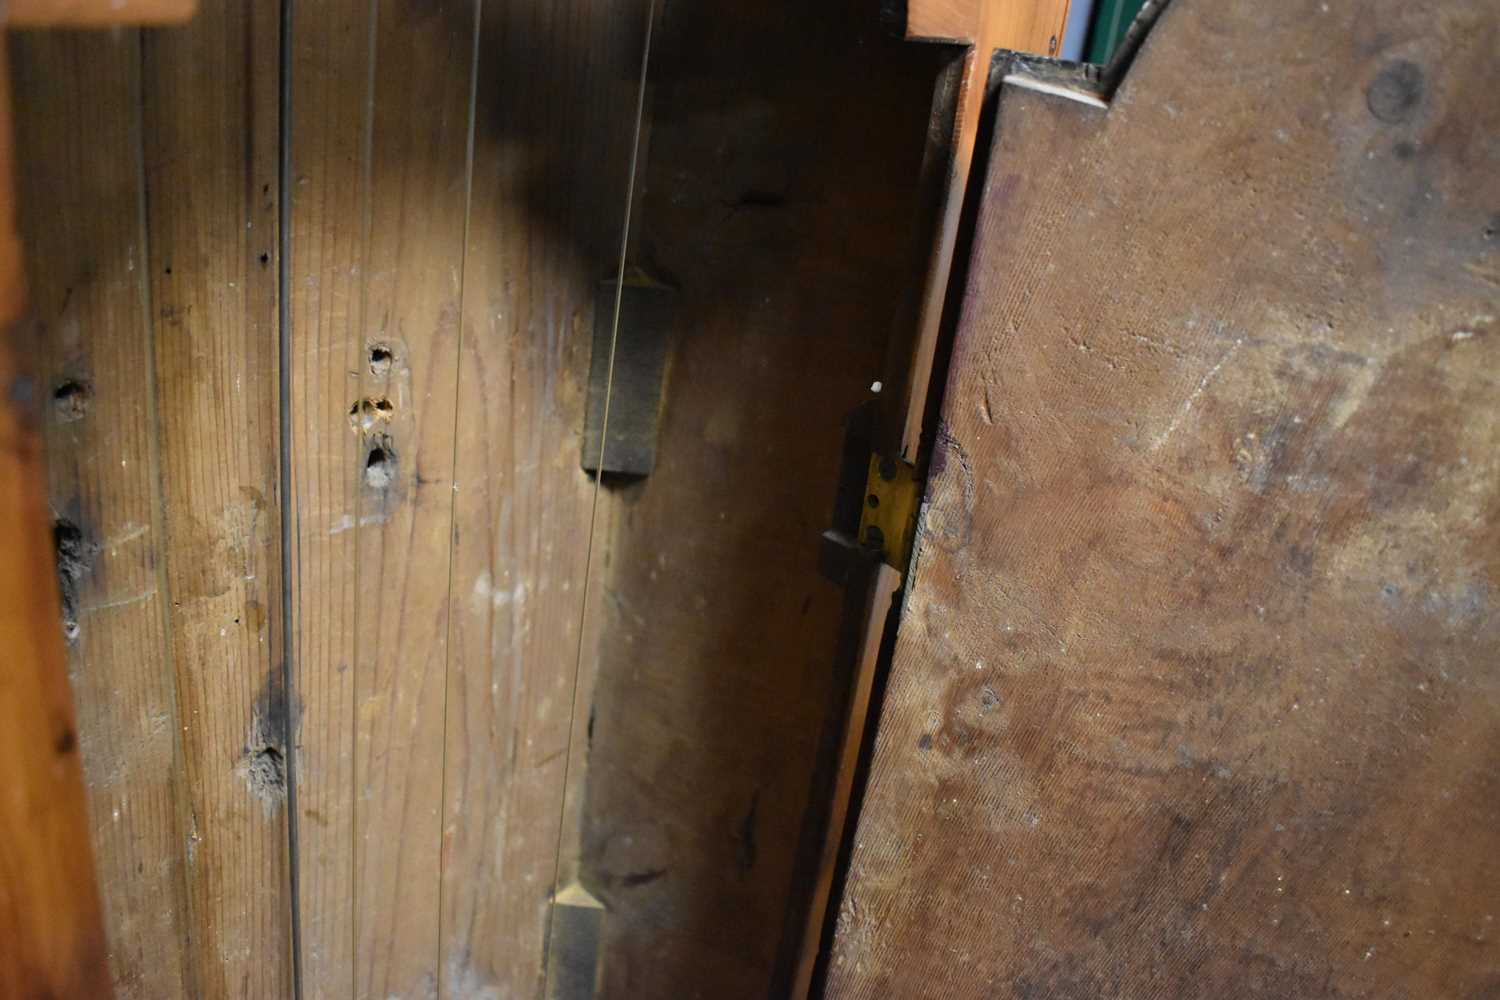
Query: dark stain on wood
(1396, 92)
(76, 556)
(263, 762)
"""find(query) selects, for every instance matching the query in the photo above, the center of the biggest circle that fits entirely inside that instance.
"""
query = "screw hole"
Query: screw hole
(366, 413)
(380, 361)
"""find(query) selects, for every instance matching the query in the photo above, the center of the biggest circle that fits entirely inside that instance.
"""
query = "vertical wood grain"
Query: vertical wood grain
(210, 99)
(51, 938)
(440, 324)
(380, 106)
(555, 111)
(80, 192)
(330, 65)
(413, 286)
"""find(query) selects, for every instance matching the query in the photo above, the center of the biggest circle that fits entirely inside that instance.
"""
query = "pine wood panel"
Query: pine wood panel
(413, 273)
(555, 114)
(81, 199)
(1196, 693)
(210, 138)
(376, 274)
(437, 796)
(51, 936)
(329, 60)
(95, 13)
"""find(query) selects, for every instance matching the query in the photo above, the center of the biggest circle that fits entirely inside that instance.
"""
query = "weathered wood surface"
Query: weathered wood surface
(328, 58)
(379, 153)
(1196, 694)
(155, 208)
(556, 96)
(51, 935)
(79, 183)
(784, 141)
(412, 283)
(455, 183)
(152, 218)
(209, 140)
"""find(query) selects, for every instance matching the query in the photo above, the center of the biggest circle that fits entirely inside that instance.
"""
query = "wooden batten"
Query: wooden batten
(94, 13)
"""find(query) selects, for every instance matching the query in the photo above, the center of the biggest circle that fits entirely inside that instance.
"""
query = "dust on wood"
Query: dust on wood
(78, 121)
(263, 762)
(209, 99)
(413, 274)
(75, 561)
(556, 95)
(1195, 693)
(380, 110)
(327, 52)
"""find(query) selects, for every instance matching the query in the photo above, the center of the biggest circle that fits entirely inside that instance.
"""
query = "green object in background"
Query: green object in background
(1111, 20)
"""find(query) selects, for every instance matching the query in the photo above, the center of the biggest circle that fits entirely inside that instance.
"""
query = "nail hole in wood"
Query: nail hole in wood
(368, 412)
(75, 561)
(70, 400)
(380, 464)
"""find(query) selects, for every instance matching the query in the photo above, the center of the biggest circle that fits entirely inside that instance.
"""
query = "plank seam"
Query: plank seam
(284, 417)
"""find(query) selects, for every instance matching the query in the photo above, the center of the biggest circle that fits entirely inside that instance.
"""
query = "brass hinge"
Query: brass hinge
(888, 515)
